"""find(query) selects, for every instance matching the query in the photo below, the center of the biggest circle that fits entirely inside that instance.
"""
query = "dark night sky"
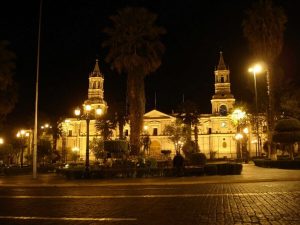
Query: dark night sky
(72, 36)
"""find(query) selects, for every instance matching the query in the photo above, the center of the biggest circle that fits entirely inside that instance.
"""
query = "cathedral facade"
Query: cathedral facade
(217, 134)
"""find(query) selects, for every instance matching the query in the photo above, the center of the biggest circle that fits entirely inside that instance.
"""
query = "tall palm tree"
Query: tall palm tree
(135, 49)
(8, 94)
(106, 127)
(188, 115)
(264, 28)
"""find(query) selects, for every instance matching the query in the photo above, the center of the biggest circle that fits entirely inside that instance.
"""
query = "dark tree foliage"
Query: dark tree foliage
(135, 49)
(263, 28)
(287, 132)
(290, 102)
(188, 115)
(8, 94)
(105, 126)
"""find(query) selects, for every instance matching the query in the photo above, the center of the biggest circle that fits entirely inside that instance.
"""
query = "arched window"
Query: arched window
(223, 110)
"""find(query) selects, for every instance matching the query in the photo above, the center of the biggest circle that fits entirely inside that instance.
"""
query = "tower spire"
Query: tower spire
(221, 65)
(96, 72)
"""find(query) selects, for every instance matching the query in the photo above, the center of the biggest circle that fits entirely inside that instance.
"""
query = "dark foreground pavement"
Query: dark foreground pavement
(258, 196)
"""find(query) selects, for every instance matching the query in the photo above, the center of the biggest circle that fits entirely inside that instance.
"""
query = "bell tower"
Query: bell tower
(222, 101)
(96, 90)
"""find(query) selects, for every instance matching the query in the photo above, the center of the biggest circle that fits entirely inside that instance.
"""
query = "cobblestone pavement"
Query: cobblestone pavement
(257, 196)
(276, 202)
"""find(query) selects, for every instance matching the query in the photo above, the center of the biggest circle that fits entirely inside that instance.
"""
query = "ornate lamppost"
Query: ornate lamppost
(87, 115)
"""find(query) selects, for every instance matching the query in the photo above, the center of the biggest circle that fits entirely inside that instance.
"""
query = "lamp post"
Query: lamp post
(87, 115)
(236, 116)
(239, 138)
(256, 69)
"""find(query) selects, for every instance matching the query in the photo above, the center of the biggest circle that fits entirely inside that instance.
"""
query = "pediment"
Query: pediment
(155, 114)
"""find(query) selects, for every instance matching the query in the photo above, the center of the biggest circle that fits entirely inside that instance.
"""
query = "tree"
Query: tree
(146, 142)
(134, 49)
(290, 103)
(44, 149)
(8, 94)
(121, 121)
(57, 132)
(264, 28)
(97, 147)
(5, 153)
(189, 117)
(175, 133)
(287, 132)
(106, 127)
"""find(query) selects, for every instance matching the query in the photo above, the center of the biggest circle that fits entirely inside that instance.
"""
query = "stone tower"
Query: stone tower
(96, 90)
(222, 101)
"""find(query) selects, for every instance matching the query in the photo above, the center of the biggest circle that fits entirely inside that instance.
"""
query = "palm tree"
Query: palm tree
(8, 96)
(188, 115)
(105, 126)
(264, 28)
(134, 49)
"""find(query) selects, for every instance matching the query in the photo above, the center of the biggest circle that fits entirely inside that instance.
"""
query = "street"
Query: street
(182, 201)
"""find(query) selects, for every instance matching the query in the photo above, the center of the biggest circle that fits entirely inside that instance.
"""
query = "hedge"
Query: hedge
(210, 169)
(280, 164)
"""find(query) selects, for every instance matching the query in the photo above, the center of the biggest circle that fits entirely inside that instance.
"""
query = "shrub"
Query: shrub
(211, 169)
(197, 159)
(281, 164)
(116, 147)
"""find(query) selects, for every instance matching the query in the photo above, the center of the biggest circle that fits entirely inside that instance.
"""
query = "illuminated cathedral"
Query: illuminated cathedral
(216, 136)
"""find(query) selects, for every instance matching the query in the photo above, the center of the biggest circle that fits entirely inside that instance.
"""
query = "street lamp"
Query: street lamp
(22, 134)
(87, 115)
(237, 115)
(256, 69)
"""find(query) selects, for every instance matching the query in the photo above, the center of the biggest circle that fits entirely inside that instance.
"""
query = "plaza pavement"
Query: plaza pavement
(250, 174)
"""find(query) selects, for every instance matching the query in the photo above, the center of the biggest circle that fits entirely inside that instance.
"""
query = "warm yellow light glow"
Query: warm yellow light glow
(42, 127)
(238, 136)
(99, 111)
(75, 149)
(246, 130)
(257, 68)
(77, 112)
(22, 133)
(145, 127)
(238, 114)
(88, 107)
(1, 141)
(67, 121)
(46, 125)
